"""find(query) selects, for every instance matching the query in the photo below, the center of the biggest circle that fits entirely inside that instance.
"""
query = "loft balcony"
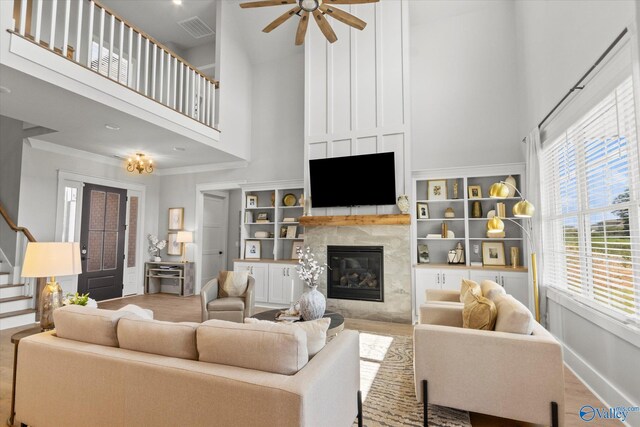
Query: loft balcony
(86, 48)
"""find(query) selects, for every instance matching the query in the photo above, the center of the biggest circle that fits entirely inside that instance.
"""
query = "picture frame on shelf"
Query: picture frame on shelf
(252, 201)
(296, 247)
(283, 232)
(437, 189)
(173, 247)
(263, 216)
(176, 219)
(423, 254)
(291, 231)
(423, 211)
(475, 192)
(493, 253)
(252, 249)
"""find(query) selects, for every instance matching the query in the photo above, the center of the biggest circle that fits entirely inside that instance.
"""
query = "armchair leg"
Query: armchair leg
(554, 414)
(359, 408)
(425, 400)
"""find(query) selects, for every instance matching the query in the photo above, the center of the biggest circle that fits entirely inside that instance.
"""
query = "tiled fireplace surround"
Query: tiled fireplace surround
(396, 242)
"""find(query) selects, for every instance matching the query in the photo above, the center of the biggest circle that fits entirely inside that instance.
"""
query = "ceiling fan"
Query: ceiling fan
(318, 8)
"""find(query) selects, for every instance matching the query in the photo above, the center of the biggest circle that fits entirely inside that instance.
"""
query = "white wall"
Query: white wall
(464, 101)
(233, 244)
(558, 41)
(10, 155)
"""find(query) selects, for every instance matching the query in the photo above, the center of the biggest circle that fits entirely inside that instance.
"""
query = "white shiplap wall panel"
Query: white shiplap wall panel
(356, 92)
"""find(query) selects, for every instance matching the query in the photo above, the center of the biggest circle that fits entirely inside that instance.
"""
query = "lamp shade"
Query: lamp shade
(495, 225)
(523, 209)
(499, 190)
(184, 237)
(46, 259)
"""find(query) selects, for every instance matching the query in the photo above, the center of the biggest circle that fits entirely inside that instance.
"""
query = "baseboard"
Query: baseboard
(598, 385)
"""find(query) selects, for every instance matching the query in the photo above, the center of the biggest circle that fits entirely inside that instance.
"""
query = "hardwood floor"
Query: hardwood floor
(176, 309)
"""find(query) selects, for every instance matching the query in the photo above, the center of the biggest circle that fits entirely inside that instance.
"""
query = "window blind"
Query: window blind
(591, 206)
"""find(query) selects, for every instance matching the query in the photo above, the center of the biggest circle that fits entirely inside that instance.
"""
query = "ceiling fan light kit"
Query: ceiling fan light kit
(319, 9)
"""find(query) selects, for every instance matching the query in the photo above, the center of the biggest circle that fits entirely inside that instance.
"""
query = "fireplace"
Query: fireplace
(355, 273)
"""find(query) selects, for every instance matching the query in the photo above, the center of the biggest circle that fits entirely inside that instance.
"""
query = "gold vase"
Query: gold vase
(476, 210)
(515, 257)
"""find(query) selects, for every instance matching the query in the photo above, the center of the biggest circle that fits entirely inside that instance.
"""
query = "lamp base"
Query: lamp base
(50, 299)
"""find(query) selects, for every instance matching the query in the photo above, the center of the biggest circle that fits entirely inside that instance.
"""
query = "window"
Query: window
(591, 204)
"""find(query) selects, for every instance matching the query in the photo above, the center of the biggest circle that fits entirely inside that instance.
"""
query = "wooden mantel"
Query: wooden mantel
(347, 220)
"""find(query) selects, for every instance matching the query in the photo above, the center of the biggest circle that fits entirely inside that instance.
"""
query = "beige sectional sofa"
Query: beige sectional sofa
(106, 368)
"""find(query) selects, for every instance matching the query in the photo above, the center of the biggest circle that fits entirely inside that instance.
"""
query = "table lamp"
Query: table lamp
(51, 259)
(184, 237)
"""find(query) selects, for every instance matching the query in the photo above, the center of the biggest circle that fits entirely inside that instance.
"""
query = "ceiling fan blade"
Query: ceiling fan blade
(344, 17)
(324, 25)
(281, 19)
(349, 1)
(264, 3)
(302, 28)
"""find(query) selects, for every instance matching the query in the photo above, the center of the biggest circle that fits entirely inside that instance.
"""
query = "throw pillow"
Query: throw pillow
(491, 289)
(316, 331)
(478, 312)
(513, 316)
(141, 312)
(465, 286)
(232, 284)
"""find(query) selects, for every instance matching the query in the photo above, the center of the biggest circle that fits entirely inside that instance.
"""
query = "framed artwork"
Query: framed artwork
(252, 249)
(423, 211)
(263, 216)
(176, 219)
(475, 192)
(283, 232)
(173, 247)
(493, 253)
(291, 231)
(296, 248)
(437, 189)
(252, 201)
(423, 254)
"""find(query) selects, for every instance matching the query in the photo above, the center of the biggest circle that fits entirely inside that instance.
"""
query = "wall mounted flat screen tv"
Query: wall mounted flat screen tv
(364, 180)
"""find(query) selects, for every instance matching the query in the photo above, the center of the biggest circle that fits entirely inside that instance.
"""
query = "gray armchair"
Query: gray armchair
(233, 309)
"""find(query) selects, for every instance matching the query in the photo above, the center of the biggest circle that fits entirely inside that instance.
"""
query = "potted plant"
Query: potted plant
(77, 299)
(155, 246)
(312, 303)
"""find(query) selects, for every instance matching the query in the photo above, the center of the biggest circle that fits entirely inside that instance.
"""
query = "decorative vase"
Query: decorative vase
(403, 204)
(476, 210)
(511, 181)
(157, 259)
(312, 304)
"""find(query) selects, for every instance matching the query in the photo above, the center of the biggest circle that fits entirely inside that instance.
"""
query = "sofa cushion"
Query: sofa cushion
(478, 312)
(157, 337)
(139, 311)
(316, 331)
(465, 286)
(513, 316)
(232, 283)
(261, 346)
(226, 304)
(91, 325)
(491, 289)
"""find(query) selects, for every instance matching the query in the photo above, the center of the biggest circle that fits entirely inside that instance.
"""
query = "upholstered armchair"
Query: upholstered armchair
(233, 309)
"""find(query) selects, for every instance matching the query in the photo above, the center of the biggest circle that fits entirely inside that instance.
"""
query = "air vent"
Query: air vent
(196, 27)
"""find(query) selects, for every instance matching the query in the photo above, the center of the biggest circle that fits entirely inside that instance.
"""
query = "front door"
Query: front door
(102, 235)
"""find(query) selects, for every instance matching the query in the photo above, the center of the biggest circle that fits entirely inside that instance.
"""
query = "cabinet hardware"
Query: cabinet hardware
(438, 278)
(444, 278)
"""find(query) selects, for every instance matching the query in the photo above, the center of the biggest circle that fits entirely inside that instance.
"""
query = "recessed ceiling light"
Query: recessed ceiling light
(4, 89)
(112, 126)
(177, 2)
(179, 149)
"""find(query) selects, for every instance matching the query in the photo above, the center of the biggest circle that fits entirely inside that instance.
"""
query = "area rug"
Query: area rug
(386, 372)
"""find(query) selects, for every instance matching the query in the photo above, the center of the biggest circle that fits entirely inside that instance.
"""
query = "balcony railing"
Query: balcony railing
(96, 38)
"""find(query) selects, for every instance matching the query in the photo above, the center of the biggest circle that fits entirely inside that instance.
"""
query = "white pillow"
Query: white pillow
(513, 316)
(491, 289)
(139, 311)
(316, 331)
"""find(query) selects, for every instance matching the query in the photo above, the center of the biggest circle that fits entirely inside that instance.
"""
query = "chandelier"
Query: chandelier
(140, 164)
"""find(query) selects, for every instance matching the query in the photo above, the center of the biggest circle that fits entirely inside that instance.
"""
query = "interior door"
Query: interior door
(215, 221)
(102, 236)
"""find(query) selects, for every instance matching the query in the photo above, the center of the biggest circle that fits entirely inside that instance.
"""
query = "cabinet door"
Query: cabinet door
(426, 278)
(279, 286)
(451, 279)
(517, 284)
(480, 275)
(260, 272)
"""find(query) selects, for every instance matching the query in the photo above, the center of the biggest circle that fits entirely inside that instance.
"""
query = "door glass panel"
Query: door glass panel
(110, 250)
(96, 220)
(112, 212)
(133, 232)
(94, 251)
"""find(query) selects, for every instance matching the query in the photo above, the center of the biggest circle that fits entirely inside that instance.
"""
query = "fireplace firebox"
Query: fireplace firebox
(355, 273)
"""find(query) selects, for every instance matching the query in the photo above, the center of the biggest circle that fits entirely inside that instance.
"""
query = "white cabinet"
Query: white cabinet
(260, 273)
(437, 278)
(273, 281)
(514, 282)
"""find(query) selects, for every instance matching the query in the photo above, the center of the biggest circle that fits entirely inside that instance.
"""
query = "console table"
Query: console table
(169, 277)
